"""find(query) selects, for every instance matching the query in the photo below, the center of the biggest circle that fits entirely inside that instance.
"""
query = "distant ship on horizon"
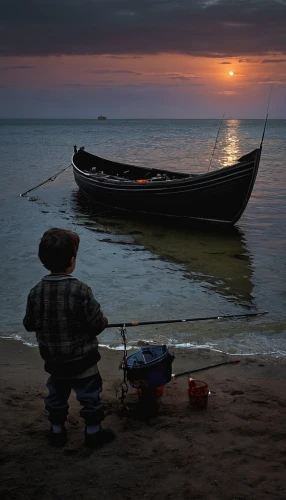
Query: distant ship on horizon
(101, 117)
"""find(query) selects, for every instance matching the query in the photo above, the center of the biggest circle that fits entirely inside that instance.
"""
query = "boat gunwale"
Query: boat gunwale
(237, 164)
(224, 172)
(199, 182)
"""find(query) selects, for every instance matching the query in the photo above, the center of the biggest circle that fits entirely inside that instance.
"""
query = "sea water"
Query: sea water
(146, 270)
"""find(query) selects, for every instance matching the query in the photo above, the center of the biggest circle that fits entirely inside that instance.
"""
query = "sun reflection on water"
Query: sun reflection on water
(230, 146)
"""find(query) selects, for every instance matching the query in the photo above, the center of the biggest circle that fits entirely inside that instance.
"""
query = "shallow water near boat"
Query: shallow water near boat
(149, 270)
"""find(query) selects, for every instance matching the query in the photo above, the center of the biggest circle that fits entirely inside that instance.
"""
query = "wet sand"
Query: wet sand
(232, 450)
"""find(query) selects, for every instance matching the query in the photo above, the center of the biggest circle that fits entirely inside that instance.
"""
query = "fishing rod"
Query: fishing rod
(266, 117)
(215, 142)
(50, 179)
(233, 362)
(140, 323)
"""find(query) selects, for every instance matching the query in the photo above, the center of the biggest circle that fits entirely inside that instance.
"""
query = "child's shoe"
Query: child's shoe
(57, 439)
(99, 438)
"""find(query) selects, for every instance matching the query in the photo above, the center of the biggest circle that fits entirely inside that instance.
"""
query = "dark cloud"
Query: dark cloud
(249, 61)
(112, 71)
(180, 78)
(101, 84)
(183, 78)
(82, 85)
(211, 28)
(8, 68)
(111, 56)
(271, 61)
(110, 85)
(225, 63)
(273, 81)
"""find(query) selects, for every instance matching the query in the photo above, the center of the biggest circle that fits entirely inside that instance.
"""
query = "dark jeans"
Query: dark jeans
(87, 393)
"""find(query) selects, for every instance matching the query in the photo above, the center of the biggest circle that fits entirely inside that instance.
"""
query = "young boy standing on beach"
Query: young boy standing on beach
(66, 318)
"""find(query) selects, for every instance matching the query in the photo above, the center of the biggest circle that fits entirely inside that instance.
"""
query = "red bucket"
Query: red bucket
(198, 394)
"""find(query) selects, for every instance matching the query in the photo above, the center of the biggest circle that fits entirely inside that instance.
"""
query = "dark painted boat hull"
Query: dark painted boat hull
(220, 196)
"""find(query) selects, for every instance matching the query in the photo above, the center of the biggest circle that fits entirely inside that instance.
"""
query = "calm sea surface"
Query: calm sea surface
(147, 271)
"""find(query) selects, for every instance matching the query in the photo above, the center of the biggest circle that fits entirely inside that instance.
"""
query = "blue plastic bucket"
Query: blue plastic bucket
(151, 366)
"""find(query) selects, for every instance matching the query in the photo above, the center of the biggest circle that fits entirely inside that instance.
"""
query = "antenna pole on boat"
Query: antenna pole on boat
(215, 142)
(137, 323)
(266, 117)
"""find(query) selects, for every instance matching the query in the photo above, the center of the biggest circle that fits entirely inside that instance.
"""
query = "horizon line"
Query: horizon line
(125, 118)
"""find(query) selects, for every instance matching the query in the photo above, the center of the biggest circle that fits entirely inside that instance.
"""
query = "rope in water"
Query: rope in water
(50, 179)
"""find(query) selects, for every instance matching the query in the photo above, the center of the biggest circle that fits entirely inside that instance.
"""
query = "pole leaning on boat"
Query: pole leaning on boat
(215, 142)
(266, 117)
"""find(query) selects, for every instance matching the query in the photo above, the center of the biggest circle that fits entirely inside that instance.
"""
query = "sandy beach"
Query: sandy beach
(232, 450)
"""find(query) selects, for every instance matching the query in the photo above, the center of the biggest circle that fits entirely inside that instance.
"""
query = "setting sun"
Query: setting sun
(231, 73)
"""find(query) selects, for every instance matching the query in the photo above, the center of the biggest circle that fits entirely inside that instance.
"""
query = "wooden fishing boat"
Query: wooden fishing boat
(219, 196)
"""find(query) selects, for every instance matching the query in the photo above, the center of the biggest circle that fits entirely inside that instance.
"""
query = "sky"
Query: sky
(142, 58)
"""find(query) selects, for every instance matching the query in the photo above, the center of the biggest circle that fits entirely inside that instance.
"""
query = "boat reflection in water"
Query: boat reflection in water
(217, 259)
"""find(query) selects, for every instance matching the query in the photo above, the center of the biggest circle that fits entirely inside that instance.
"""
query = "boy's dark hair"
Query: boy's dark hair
(57, 247)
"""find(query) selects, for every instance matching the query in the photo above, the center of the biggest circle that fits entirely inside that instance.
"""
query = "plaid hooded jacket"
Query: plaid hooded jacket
(66, 318)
